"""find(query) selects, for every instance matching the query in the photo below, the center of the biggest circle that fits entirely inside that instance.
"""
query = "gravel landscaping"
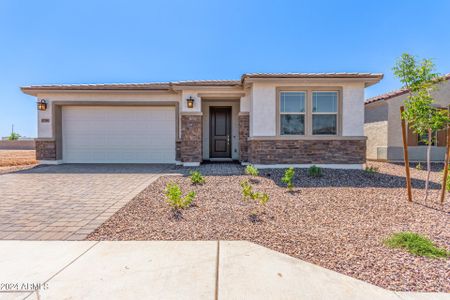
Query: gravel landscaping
(338, 221)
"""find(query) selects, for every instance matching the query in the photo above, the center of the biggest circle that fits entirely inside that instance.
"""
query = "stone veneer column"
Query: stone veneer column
(45, 149)
(244, 121)
(191, 138)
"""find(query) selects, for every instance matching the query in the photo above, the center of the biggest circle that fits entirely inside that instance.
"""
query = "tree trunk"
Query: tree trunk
(428, 162)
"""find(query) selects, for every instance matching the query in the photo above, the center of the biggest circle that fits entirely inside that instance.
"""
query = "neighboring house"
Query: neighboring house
(263, 119)
(383, 127)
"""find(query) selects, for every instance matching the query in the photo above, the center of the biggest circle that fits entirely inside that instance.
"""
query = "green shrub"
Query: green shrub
(247, 190)
(288, 178)
(248, 193)
(315, 171)
(419, 167)
(416, 244)
(197, 178)
(260, 198)
(371, 170)
(251, 170)
(174, 197)
(447, 184)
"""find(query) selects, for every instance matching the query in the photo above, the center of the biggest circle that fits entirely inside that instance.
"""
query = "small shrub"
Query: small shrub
(315, 171)
(447, 184)
(288, 178)
(416, 244)
(174, 197)
(419, 167)
(248, 193)
(197, 177)
(260, 198)
(371, 170)
(247, 190)
(251, 170)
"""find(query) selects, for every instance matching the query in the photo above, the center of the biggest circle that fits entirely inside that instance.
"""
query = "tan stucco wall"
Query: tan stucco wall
(376, 130)
(263, 105)
(376, 112)
(376, 133)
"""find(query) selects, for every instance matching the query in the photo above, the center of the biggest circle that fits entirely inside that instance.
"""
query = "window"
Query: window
(422, 140)
(292, 113)
(324, 113)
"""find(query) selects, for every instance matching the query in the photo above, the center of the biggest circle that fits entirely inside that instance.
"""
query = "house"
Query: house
(382, 126)
(265, 119)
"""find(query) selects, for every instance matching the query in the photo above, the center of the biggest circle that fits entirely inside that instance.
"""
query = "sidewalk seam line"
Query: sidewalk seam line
(216, 296)
(66, 266)
(396, 294)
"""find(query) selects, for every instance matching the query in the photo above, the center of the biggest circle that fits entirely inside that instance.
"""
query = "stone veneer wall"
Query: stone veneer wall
(191, 138)
(286, 151)
(178, 150)
(45, 150)
(243, 136)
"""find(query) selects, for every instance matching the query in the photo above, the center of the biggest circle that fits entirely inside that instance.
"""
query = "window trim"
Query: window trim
(336, 113)
(293, 113)
(308, 109)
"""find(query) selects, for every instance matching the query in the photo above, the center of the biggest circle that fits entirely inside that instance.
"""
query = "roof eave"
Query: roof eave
(33, 91)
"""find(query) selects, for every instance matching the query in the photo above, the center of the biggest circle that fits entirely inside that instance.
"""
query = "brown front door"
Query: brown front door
(220, 132)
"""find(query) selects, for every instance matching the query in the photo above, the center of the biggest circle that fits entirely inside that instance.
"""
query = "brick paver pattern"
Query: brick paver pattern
(67, 202)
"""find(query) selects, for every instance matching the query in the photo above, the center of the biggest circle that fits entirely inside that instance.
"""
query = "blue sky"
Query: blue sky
(95, 41)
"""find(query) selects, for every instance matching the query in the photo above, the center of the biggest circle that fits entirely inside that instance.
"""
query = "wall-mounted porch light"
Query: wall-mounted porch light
(190, 102)
(42, 104)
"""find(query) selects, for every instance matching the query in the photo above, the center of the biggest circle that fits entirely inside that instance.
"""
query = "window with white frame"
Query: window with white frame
(324, 112)
(292, 113)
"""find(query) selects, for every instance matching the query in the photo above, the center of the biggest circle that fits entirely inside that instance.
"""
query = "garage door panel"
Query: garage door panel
(119, 134)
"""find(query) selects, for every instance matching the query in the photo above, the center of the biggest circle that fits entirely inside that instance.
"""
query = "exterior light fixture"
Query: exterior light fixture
(190, 102)
(42, 104)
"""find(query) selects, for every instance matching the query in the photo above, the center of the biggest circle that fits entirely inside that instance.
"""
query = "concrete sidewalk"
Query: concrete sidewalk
(171, 270)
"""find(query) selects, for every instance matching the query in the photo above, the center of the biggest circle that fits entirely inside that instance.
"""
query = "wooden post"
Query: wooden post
(447, 154)
(405, 155)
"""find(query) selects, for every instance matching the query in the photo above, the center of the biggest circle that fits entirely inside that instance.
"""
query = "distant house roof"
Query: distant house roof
(169, 85)
(393, 94)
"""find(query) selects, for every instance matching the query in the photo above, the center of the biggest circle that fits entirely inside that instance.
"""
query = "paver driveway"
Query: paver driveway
(67, 202)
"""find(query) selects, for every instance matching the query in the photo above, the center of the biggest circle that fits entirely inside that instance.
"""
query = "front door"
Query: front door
(220, 132)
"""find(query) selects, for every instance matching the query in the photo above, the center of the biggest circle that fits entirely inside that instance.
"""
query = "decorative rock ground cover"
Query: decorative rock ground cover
(338, 221)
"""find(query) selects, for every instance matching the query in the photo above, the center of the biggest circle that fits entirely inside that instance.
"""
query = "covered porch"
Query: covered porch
(215, 129)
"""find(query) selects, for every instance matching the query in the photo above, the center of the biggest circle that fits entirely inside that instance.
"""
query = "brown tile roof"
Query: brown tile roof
(386, 96)
(169, 85)
(131, 86)
(393, 94)
(207, 83)
(103, 86)
(313, 75)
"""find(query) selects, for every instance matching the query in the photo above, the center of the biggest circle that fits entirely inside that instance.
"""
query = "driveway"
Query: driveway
(67, 202)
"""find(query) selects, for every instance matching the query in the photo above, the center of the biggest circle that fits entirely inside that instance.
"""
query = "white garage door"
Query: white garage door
(118, 134)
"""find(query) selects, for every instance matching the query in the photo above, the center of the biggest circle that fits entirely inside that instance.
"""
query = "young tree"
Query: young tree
(13, 136)
(424, 118)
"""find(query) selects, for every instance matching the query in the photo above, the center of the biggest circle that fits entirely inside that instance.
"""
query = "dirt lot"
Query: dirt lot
(12, 160)
(338, 221)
